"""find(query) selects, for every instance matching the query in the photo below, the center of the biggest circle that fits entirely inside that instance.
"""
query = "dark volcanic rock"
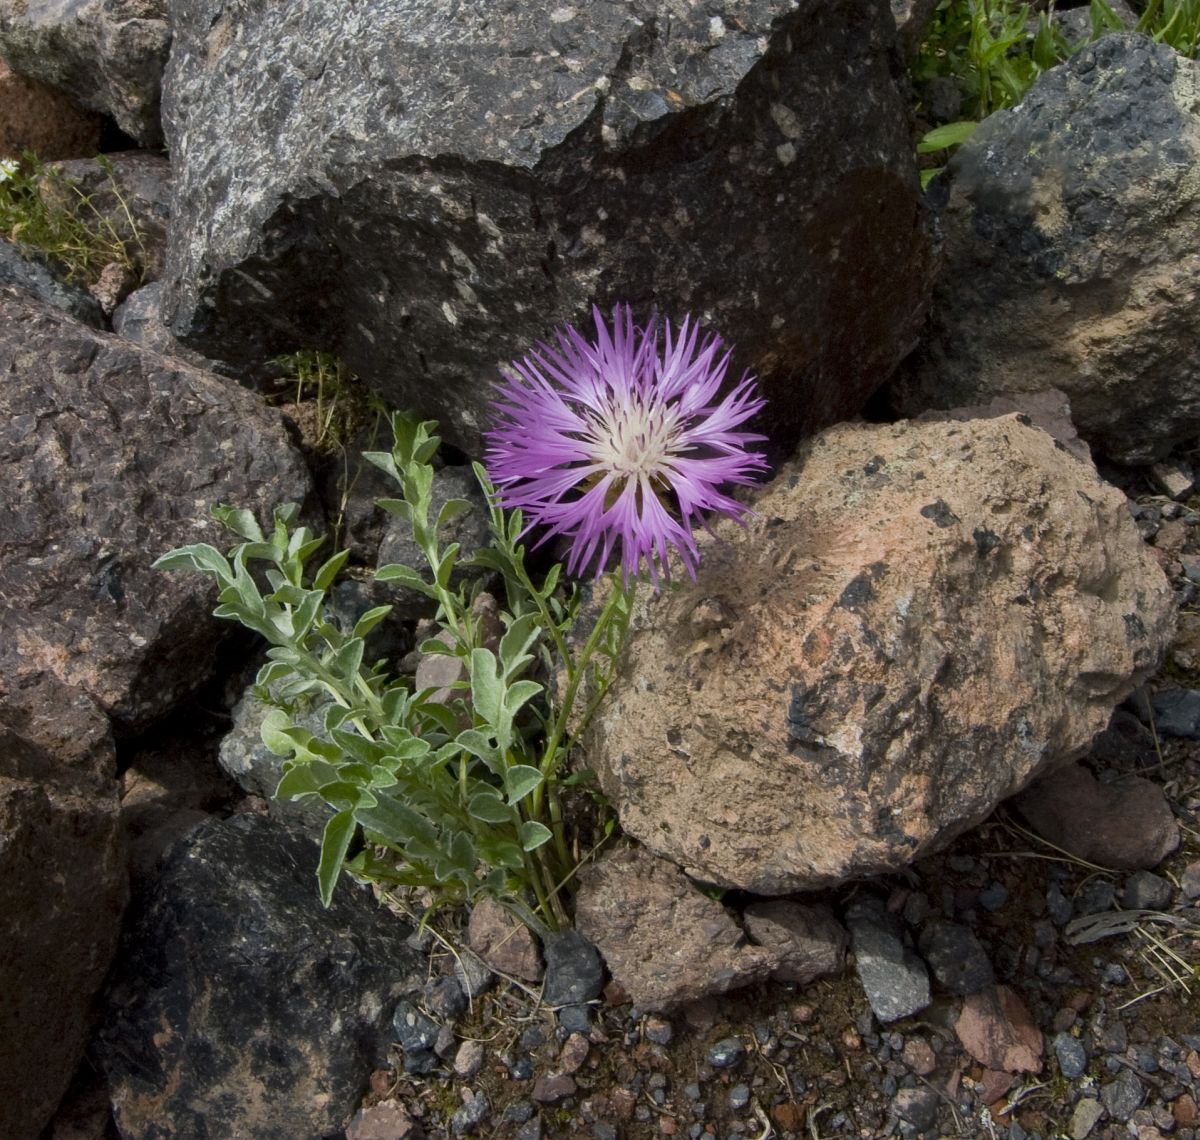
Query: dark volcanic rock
(23, 269)
(108, 55)
(1070, 252)
(62, 889)
(429, 189)
(241, 1007)
(110, 456)
(894, 978)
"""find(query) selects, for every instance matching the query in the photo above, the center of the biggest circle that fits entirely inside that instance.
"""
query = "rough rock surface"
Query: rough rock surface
(61, 720)
(922, 618)
(893, 977)
(246, 759)
(37, 118)
(62, 889)
(22, 268)
(429, 189)
(108, 55)
(110, 456)
(997, 1029)
(1127, 825)
(503, 941)
(665, 941)
(810, 942)
(241, 1007)
(1070, 252)
(131, 192)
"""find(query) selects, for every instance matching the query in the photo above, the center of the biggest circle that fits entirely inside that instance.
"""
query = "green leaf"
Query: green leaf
(402, 744)
(446, 565)
(329, 571)
(335, 842)
(519, 692)
(436, 647)
(199, 556)
(520, 780)
(346, 795)
(239, 520)
(273, 735)
(384, 461)
(487, 689)
(514, 645)
(370, 620)
(298, 781)
(481, 745)
(498, 852)
(272, 673)
(395, 822)
(401, 508)
(347, 661)
(452, 509)
(407, 577)
(306, 613)
(534, 834)
(944, 137)
(488, 807)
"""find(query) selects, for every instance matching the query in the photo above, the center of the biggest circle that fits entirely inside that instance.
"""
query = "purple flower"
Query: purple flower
(618, 446)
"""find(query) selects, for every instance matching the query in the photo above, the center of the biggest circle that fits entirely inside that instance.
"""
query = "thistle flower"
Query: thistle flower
(620, 447)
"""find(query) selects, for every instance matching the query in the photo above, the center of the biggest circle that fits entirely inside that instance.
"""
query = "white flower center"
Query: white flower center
(633, 440)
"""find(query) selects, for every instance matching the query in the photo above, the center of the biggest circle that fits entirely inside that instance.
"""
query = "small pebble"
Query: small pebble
(739, 1097)
(1086, 1116)
(1058, 906)
(726, 1053)
(474, 1112)
(1123, 1095)
(918, 1106)
(444, 998)
(658, 1029)
(1072, 1056)
(993, 897)
(469, 1059)
(1145, 890)
(531, 1129)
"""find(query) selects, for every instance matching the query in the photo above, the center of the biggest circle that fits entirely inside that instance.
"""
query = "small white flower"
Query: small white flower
(8, 168)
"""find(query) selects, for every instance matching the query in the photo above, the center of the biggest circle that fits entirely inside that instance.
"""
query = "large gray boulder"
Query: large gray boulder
(428, 189)
(63, 885)
(922, 618)
(1071, 258)
(109, 456)
(108, 55)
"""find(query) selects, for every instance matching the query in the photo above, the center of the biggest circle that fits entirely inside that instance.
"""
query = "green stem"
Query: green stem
(615, 597)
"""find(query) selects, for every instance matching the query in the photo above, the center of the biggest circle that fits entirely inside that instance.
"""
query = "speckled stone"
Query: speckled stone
(428, 189)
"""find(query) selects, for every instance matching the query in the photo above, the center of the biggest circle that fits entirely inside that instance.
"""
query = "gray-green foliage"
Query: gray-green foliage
(460, 795)
(994, 50)
(43, 209)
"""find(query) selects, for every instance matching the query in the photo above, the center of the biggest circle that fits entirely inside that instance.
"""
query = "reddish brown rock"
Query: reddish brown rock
(1127, 825)
(998, 1031)
(37, 118)
(113, 455)
(921, 619)
(388, 1120)
(503, 941)
(809, 941)
(665, 941)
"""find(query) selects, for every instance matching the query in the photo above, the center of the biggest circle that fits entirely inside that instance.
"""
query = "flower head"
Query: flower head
(619, 446)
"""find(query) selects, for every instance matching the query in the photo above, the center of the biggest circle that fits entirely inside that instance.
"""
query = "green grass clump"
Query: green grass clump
(990, 52)
(44, 210)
